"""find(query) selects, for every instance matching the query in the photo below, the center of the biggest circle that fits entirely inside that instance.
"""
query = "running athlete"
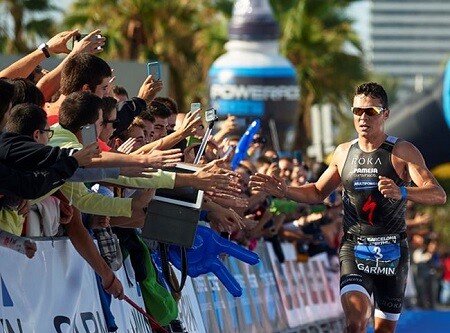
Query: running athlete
(376, 171)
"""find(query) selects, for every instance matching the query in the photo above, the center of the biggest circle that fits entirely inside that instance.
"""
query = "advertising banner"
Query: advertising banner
(56, 291)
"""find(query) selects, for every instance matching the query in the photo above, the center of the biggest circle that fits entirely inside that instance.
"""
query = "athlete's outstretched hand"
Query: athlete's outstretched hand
(273, 185)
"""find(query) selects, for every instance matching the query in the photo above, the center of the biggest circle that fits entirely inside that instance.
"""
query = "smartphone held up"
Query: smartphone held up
(88, 134)
(154, 69)
(195, 106)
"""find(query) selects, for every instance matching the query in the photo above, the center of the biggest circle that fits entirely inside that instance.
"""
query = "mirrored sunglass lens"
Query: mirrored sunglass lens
(357, 111)
(369, 111)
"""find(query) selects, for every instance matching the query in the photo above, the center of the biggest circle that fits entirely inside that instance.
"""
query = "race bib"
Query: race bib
(378, 255)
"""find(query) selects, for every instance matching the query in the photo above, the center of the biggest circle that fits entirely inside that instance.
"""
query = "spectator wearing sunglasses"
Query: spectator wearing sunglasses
(376, 171)
(110, 121)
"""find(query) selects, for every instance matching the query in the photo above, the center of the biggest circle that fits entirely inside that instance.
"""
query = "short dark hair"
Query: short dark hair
(262, 160)
(374, 90)
(147, 115)
(169, 102)
(159, 110)
(109, 104)
(119, 90)
(81, 69)
(6, 95)
(78, 109)
(25, 118)
(125, 135)
(26, 91)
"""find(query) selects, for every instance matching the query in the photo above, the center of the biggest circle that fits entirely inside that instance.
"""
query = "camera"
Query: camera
(211, 115)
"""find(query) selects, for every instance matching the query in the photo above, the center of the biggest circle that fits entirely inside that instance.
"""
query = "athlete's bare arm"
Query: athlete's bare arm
(308, 193)
(410, 164)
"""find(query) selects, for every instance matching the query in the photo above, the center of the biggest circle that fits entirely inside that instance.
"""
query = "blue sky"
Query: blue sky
(359, 11)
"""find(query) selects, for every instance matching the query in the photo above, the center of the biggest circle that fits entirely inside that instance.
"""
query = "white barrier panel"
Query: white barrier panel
(188, 307)
(211, 303)
(319, 291)
(271, 306)
(247, 315)
(287, 292)
(296, 280)
(56, 291)
(329, 293)
(329, 280)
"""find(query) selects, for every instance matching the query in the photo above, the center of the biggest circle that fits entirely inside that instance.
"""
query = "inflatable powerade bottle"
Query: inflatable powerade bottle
(252, 79)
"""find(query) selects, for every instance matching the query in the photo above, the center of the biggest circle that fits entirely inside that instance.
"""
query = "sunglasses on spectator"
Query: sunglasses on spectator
(50, 132)
(369, 110)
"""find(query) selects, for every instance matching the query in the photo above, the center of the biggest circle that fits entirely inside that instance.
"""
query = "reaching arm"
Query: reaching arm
(156, 159)
(308, 193)
(24, 66)
(34, 184)
(49, 84)
(84, 245)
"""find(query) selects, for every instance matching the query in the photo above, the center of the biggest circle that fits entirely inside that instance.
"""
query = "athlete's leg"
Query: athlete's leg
(384, 325)
(389, 292)
(356, 288)
(357, 309)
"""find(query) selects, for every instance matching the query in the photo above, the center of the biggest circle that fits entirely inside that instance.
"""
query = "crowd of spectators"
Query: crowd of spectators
(429, 280)
(54, 184)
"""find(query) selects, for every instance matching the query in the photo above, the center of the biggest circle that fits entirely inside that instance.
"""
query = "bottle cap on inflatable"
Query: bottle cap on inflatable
(253, 20)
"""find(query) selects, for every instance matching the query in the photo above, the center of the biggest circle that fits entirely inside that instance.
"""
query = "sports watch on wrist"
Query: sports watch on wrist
(44, 48)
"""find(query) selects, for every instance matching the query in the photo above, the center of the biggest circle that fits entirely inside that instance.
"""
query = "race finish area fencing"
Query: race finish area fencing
(56, 291)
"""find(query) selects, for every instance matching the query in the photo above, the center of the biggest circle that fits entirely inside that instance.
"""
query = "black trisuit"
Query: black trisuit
(368, 213)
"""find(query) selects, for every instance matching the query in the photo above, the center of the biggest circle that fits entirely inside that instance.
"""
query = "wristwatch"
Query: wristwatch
(44, 48)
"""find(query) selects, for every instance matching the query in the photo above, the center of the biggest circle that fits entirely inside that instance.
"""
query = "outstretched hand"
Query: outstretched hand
(190, 123)
(30, 248)
(85, 155)
(58, 43)
(272, 185)
(213, 178)
(226, 219)
(127, 147)
(163, 158)
(92, 43)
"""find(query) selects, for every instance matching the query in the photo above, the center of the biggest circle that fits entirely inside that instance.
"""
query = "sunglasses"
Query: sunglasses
(49, 132)
(369, 110)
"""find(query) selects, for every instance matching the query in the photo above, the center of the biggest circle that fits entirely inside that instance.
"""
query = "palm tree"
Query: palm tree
(314, 36)
(26, 32)
(165, 30)
(190, 34)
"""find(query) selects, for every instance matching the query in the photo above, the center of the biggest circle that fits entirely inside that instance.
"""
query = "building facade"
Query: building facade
(409, 41)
